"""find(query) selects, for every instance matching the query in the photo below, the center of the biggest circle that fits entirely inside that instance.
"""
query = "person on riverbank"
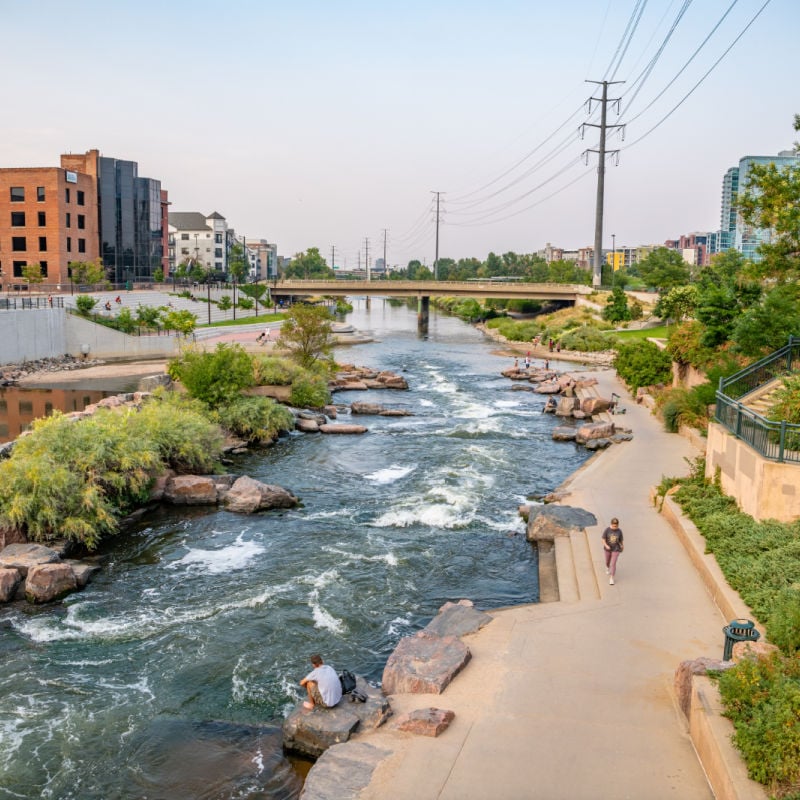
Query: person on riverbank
(612, 547)
(528, 360)
(322, 684)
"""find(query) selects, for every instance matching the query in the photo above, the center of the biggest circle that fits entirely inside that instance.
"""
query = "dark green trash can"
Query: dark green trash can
(738, 630)
(128, 285)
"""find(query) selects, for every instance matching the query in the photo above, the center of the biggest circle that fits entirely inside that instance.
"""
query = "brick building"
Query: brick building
(48, 216)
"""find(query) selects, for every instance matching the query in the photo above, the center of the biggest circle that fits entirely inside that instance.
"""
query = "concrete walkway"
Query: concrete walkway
(573, 700)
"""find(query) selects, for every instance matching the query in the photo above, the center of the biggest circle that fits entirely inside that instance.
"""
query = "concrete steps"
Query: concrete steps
(577, 580)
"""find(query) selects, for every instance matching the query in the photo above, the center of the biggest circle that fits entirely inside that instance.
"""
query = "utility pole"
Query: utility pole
(366, 258)
(333, 256)
(436, 259)
(597, 271)
(385, 268)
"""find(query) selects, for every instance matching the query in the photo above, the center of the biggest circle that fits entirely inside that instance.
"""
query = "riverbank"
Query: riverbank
(604, 358)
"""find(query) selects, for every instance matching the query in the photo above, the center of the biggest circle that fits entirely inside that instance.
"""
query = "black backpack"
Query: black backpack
(348, 681)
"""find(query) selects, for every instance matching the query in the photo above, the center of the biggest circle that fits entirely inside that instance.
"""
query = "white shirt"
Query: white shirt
(328, 683)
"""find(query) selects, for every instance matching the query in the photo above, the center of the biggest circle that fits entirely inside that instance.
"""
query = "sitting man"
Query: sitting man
(322, 684)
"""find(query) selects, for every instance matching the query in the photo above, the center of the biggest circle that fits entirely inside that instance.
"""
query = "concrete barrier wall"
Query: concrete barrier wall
(32, 334)
(107, 343)
(763, 489)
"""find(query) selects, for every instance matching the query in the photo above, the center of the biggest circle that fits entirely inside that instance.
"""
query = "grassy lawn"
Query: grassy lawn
(661, 332)
(248, 319)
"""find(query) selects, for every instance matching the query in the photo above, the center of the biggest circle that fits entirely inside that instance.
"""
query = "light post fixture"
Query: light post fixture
(208, 292)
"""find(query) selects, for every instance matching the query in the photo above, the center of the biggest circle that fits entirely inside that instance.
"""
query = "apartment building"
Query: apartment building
(48, 216)
(196, 238)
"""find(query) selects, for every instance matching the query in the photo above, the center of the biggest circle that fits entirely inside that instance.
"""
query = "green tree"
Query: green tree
(147, 316)
(85, 303)
(663, 269)
(87, 272)
(238, 263)
(32, 273)
(255, 291)
(771, 200)
(642, 363)
(309, 265)
(158, 275)
(225, 303)
(677, 304)
(124, 321)
(768, 325)
(307, 333)
(616, 309)
(182, 321)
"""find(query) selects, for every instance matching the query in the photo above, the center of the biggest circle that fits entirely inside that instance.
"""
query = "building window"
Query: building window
(18, 267)
(17, 219)
(184, 251)
(81, 221)
(81, 198)
(17, 194)
(42, 219)
(69, 244)
(81, 245)
(42, 244)
(185, 237)
(43, 265)
(69, 220)
(217, 252)
(18, 244)
(40, 193)
(218, 265)
(66, 194)
(218, 238)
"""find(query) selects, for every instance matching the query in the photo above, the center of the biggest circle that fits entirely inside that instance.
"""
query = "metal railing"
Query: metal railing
(16, 303)
(776, 441)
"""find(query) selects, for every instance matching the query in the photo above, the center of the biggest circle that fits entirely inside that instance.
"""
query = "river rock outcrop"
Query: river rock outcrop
(457, 619)
(353, 378)
(247, 495)
(342, 428)
(191, 490)
(377, 410)
(313, 732)
(38, 574)
(594, 430)
(551, 521)
(424, 663)
(343, 771)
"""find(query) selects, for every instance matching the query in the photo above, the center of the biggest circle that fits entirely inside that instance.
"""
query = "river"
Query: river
(168, 676)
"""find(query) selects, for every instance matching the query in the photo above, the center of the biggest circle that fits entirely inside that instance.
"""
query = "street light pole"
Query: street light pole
(613, 260)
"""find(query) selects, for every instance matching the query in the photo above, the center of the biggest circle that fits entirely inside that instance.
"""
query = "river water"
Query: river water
(168, 676)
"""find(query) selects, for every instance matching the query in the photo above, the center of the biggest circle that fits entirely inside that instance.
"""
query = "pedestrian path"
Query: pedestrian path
(573, 700)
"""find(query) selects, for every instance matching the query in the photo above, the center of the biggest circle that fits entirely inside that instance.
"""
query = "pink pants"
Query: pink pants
(611, 561)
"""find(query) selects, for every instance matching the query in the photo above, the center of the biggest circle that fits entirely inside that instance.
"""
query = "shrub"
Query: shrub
(73, 479)
(342, 307)
(245, 303)
(217, 377)
(124, 321)
(783, 626)
(274, 371)
(147, 316)
(642, 363)
(685, 407)
(310, 391)
(256, 419)
(184, 436)
(762, 698)
(84, 303)
(586, 339)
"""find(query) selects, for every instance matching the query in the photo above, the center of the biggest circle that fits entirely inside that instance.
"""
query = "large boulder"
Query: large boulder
(248, 495)
(48, 582)
(594, 430)
(425, 721)
(83, 571)
(564, 433)
(566, 406)
(25, 556)
(424, 663)
(551, 521)
(548, 387)
(306, 425)
(312, 732)
(595, 405)
(366, 408)
(9, 581)
(343, 771)
(191, 490)
(457, 619)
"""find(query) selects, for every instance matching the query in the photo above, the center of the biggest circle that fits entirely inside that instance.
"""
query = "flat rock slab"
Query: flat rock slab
(564, 433)
(313, 732)
(551, 521)
(594, 430)
(24, 556)
(83, 571)
(424, 664)
(306, 425)
(343, 771)
(425, 721)
(455, 619)
(334, 428)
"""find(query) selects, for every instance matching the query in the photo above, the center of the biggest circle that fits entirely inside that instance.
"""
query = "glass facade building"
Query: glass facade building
(131, 230)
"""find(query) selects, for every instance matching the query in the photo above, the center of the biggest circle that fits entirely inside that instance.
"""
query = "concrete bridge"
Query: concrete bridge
(424, 290)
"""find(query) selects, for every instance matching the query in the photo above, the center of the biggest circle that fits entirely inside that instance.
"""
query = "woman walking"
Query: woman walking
(612, 547)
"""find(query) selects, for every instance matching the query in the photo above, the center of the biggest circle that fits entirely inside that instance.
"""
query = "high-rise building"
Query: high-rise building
(130, 208)
(734, 232)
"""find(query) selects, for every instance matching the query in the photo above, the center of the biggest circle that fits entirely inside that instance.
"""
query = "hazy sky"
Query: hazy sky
(322, 123)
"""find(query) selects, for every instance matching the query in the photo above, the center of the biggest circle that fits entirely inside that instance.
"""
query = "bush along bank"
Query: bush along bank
(761, 561)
